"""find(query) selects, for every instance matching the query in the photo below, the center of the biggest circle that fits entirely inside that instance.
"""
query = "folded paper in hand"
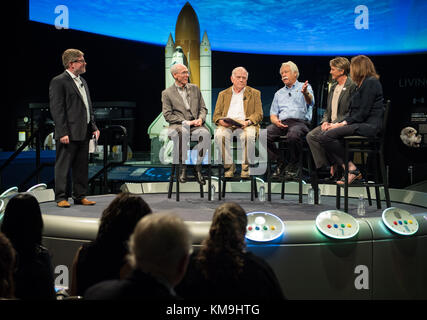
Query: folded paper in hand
(92, 144)
(233, 122)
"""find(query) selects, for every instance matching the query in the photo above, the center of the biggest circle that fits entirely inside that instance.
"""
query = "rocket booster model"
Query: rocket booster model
(197, 56)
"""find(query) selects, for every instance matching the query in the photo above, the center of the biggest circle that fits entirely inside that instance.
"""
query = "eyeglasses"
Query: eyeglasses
(80, 60)
(185, 72)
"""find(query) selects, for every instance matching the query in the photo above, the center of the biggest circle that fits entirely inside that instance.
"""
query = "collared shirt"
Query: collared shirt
(82, 91)
(183, 92)
(290, 103)
(236, 110)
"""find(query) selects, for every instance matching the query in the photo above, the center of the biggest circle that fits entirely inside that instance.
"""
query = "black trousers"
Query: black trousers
(295, 132)
(332, 142)
(74, 156)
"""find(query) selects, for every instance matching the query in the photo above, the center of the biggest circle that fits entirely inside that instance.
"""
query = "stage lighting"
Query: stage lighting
(41, 193)
(40, 186)
(9, 192)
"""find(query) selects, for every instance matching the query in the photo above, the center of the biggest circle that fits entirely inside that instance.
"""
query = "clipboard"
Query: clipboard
(232, 122)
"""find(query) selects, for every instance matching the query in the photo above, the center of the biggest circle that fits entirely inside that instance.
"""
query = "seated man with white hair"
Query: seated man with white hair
(242, 104)
(159, 251)
(290, 112)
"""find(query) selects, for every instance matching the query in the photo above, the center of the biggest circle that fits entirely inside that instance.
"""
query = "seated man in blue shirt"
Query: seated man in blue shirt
(290, 112)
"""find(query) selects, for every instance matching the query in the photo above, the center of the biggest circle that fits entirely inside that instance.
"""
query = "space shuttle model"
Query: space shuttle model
(196, 55)
(188, 50)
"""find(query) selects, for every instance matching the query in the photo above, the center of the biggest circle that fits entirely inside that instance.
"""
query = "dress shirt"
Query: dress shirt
(184, 95)
(236, 110)
(82, 91)
(290, 103)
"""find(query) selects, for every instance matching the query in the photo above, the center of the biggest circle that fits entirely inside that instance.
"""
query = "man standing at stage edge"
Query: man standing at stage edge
(71, 109)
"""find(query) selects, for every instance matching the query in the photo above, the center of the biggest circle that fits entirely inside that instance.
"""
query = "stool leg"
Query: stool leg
(219, 180)
(252, 188)
(300, 178)
(377, 180)
(255, 188)
(282, 193)
(171, 181)
(269, 180)
(384, 180)
(177, 187)
(338, 197)
(368, 192)
(210, 183)
(346, 178)
(315, 186)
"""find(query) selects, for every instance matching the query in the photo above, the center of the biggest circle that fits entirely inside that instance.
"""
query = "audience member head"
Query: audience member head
(340, 66)
(362, 67)
(7, 265)
(160, 245)
(22, 222)
(119, 219)
(222, 250)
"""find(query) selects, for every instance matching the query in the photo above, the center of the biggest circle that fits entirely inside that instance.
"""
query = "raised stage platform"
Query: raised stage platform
(374, 264)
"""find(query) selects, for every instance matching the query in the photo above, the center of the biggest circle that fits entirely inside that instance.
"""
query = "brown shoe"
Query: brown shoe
(244, 174)
(63, 204)
(84, 202)
(229, 173)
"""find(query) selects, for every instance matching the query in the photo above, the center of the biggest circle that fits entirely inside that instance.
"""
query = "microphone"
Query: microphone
(81, 84)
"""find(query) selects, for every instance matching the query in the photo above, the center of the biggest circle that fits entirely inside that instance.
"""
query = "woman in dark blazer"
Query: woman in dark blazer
(338, 103)
(364, 117)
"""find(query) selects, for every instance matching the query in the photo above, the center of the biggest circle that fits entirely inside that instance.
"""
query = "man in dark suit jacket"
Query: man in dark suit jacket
(184, 109)
(71, 110)
(337, 107)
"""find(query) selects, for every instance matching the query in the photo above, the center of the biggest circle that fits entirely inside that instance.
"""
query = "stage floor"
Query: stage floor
(193, 208)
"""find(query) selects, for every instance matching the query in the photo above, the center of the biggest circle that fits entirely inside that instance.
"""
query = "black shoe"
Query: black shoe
(183, 174)
(198, 175)
(280, 170)
(324, 173)
(292, 171)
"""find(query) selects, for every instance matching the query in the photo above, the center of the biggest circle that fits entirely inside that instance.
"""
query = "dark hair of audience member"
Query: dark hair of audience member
(105, 257)
(7, 266)
(23, 223)
(222, 251)
(121, 216)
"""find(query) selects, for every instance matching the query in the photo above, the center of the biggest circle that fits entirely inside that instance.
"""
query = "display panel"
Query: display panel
(265, 26)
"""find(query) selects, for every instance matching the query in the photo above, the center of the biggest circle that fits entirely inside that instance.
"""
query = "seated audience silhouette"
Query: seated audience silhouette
(222, 269)
(159, 251)
(105, 257)
(23, 225)
(7, 265)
